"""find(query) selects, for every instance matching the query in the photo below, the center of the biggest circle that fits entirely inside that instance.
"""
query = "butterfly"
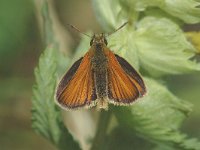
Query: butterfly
(98, 78)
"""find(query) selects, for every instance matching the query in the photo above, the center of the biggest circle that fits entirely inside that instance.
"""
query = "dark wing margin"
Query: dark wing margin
(132, 73)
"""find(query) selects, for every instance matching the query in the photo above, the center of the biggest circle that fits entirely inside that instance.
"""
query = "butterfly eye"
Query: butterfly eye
(91, 42)
(105, 41)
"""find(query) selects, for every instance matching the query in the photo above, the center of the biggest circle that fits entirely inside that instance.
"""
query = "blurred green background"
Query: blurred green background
(20, 47)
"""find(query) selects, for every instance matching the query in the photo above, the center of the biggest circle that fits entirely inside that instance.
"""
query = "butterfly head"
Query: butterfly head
(98, 39)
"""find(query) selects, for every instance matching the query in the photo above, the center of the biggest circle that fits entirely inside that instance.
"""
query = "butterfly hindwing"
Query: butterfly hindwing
(76, 89)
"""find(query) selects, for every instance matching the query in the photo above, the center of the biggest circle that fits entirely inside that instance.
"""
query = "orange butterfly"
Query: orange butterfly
(99, 78)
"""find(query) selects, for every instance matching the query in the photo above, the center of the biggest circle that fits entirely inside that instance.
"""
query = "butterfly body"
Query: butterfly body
(99, 78)
(100, 68)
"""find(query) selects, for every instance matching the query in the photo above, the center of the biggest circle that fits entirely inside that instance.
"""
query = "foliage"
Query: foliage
(155, 45)
(46, 117)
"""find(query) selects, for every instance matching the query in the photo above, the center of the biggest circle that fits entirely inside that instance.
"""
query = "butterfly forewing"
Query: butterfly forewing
(133, 75)
(67, 77)
(123, 87)
(78, 89)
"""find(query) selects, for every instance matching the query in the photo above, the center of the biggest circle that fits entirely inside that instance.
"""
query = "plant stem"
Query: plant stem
(103, 123)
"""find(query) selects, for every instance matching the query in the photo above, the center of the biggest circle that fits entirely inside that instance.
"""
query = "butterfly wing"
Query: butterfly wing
(76, 88)
(125, 84)
(133, 75)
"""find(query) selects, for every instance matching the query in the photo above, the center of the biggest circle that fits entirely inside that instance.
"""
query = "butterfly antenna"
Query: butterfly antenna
(75, 28)
(117, 29)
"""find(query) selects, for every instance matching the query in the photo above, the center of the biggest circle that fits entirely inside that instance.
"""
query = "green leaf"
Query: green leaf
(163, 48)
(157, 117)
(46, 117)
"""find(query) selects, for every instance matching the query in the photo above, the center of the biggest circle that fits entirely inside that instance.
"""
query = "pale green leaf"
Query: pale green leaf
(139, 5)
(163, 47)
(63, 63)
(122, 43)
(185, 10)
(159, 13)
(82, 48)
(157, 117)
(108, 13)
(46, 117)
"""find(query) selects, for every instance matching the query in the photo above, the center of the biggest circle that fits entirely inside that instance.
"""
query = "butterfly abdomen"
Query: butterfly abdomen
(99, 65)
